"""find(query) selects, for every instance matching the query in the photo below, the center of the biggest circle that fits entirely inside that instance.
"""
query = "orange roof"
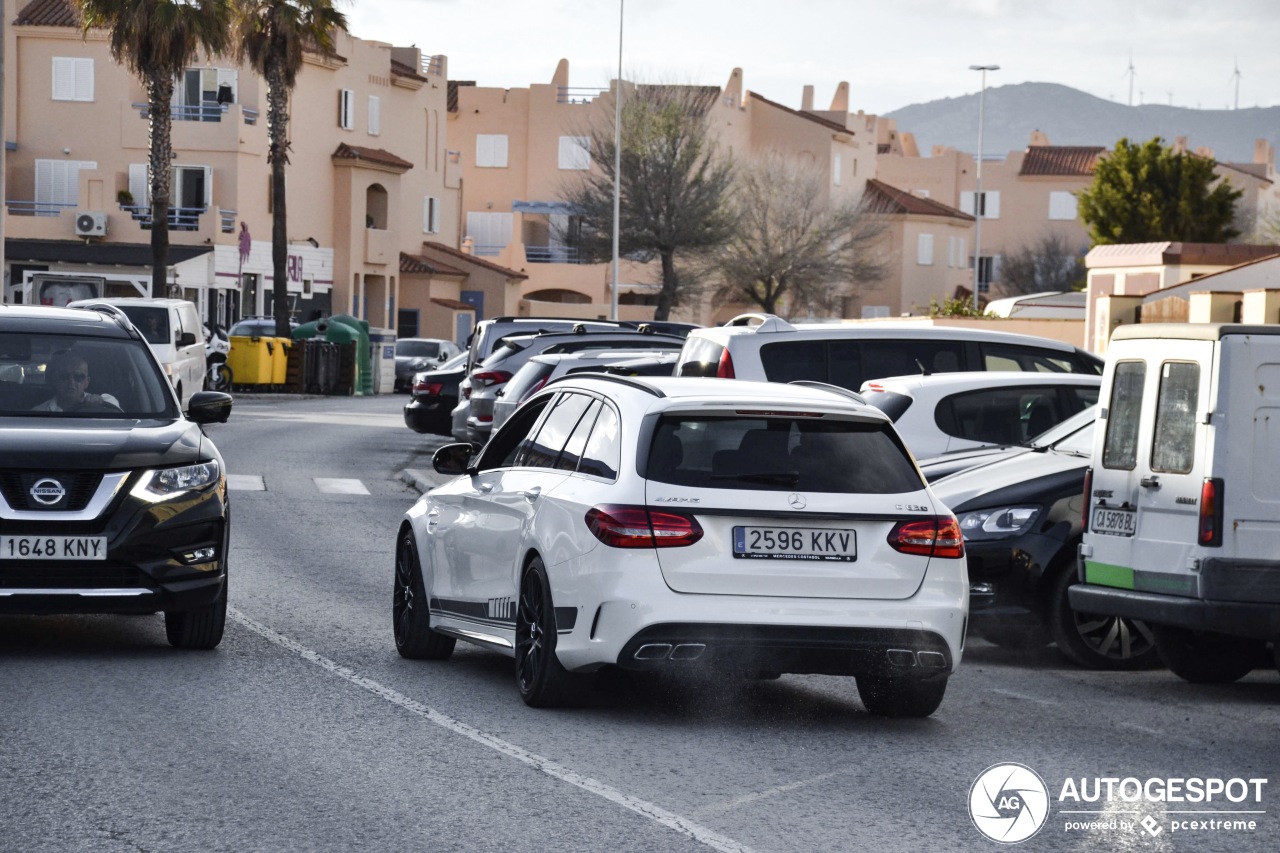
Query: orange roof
(474, 259)
(1061, 160)
(453, 303)
(419, 264)
(810, 116)
(47, 13)
(882, 198)
(371, 155)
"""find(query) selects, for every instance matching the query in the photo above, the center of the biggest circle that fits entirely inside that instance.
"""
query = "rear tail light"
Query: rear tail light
(938, 536)
(1211, 512)
(1088, 489)
(534, 390)
(724, 369)
(429, 389)
(641, 527)
(485, 378)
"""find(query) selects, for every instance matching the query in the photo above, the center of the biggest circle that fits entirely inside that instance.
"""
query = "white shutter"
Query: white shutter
(208, 187)
(924, 250)
(500, 154)
(997, 264)
(966, 203)
(489, 231)
(138, 184)
(991, 205)
(83, 79)
(951, 252)
(64, 78)
(375, 115)
(1062, 205)
(575, 152)
(44, 181)
(484, 150)
(836, 163)
(962, 252)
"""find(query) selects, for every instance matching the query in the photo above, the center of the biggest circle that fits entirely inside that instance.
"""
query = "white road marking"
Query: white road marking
(761, 795)
(1023, 696)
(671, 820)
(1143, 729)
(246, 483)
(368, 419)
(336, 486)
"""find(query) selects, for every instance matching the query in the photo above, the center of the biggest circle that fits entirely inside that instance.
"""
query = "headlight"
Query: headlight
(167, 482)
(998, 523)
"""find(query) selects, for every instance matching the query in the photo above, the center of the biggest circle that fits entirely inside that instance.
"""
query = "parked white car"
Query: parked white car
(951, 412)
(678, 524)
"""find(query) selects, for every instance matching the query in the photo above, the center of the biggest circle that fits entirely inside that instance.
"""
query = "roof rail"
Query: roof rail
(827, 386)
(630, 381)
(764, 322)
(112, 311)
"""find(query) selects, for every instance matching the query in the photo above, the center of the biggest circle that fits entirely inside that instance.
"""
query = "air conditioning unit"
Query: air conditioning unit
(91, 224)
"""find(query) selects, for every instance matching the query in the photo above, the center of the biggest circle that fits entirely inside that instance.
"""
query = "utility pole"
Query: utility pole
(979, 205)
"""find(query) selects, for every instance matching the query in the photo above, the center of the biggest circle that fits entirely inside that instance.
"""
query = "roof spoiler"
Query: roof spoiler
(762, 323)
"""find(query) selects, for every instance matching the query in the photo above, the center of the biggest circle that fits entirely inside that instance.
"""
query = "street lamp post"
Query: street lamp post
(979, 205)
(617, 166)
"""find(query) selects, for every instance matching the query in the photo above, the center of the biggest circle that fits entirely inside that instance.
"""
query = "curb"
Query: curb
(420, 480)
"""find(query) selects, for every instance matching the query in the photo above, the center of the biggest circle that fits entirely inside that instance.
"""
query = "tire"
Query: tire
(901, 696)
(1203, 657)
(541, 679)
(199, 629)
(1097, 642)
(1017, 639)
(410, 616)
(219, 378)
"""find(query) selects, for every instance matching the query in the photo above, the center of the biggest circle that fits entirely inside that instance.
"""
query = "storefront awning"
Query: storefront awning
(547, 208)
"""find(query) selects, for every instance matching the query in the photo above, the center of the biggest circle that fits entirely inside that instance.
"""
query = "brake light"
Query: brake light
(1088, 489)
(430, 389)
(1211, 512)
(724, 369)
(641, 527)
(485, 378)
(938, 536)
(534, 390)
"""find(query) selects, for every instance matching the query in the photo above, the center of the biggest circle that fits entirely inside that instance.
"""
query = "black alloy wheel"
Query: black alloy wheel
(1095, 641)
(410, 618)
(542, 680)
(1203, 657)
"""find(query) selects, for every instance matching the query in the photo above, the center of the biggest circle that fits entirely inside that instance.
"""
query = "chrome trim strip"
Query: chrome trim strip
(82, 593)
(105, 493)
(474, 636)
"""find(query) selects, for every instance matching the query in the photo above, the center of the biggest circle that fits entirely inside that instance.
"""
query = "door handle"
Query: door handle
(1149, 482)
(531, 495)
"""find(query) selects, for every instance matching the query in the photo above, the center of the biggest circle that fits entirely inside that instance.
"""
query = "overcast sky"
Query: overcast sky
(892, 52)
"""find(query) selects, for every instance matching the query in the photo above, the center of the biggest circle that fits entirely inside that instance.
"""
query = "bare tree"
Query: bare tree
(794, 244)
(673, 185)
(1048, 263)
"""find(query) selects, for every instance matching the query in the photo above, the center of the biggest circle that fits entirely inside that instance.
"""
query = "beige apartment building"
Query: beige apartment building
(373, 198)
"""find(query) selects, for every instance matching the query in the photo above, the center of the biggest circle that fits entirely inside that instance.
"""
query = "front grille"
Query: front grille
(79, 485)
(106, 575)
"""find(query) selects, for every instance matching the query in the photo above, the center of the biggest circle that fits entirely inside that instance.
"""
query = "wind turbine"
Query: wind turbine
(1130, 73)
(1237, 75)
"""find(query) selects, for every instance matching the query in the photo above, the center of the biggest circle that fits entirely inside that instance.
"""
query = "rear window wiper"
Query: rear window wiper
(785, 478)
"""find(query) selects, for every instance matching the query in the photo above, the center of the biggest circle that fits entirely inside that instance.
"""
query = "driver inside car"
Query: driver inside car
(69, 375)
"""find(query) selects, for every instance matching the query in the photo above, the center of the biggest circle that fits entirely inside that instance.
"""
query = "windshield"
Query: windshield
(71, 376)
(1070, 427)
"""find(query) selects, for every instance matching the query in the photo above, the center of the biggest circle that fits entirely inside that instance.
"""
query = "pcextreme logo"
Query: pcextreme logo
(1008, 803)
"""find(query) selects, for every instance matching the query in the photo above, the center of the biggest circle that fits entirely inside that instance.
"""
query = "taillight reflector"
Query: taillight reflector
(938, 536)
(724, 369)
(431, 389)
(1211, 512)
(641, 527)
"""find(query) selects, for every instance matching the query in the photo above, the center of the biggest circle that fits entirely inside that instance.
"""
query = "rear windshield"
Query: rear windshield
(802, 453)
(417, 349)
(528, 379)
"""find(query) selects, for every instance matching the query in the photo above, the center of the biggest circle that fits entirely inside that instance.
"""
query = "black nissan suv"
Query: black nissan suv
(111, 499)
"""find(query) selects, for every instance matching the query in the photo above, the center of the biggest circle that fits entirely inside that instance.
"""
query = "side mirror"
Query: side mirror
(444, 356)
(453, 459)
(209, 407)
(186, 339)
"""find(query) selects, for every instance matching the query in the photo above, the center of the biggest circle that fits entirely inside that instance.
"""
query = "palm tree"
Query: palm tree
(273, 35)
(156, 40)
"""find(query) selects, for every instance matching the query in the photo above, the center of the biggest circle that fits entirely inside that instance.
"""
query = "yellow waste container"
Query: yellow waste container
(279, 360)
(251, 361)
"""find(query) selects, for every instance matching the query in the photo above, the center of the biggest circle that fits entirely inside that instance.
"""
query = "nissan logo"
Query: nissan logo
(797, 501)
(48, 492)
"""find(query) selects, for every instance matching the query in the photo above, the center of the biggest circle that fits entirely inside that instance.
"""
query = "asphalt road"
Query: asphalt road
(305, 730)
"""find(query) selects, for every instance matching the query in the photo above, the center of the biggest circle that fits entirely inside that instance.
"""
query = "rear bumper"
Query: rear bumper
(1239, 619)
(435, 418)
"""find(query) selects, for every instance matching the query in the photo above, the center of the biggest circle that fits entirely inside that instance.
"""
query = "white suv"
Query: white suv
(765, 347)
(676, 524)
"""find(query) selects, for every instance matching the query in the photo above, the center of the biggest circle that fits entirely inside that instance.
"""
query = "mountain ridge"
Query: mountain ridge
(1071, 117)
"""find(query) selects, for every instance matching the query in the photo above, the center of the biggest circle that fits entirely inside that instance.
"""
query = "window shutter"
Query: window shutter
(500, 151)
(64, 82)
(208, 187)
(966, 203)
(991, 205)
(375, 115)
(138, 184)
(1062, 205)
(924, 250)
(83, 79)
(484, 150)
(575, 152)
(836, 163)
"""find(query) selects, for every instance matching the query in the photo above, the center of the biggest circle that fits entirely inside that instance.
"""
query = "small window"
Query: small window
(544, 451)
(924, 250)
(346, 109)
(575, 152)
(603, 453)
(375, 115)
(577, 442)
(1173, 447)
(491, 150)
(430, 215)
(1120, 448)
(836, 170)
(72, 78)
(987, 205)
(1062, 205)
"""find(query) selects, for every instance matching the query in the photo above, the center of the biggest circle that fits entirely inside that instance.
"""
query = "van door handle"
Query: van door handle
(1149, 482)
(531, 495)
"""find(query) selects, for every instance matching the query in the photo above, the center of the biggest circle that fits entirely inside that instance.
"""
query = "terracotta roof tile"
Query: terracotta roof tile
(371, 155)
(1061, 160)
(454, 304)
(47, 13)
(882, 198)
(420, 264)
(811, 117)
(474, 259)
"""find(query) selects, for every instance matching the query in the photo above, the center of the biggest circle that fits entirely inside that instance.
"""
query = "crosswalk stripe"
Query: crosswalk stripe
(246, 483)
(336, 486)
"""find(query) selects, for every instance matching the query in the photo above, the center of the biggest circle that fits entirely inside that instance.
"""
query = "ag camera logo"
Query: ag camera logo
(1008, 803)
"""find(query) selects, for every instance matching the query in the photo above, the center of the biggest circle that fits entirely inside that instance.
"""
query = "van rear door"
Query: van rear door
(1144, 510)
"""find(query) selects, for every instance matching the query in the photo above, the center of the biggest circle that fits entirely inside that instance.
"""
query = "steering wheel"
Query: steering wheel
(99, 405)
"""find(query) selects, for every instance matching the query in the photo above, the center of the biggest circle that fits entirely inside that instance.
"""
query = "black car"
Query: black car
(111, 500)
(414, 355)
(1021, 520)
(435, 394)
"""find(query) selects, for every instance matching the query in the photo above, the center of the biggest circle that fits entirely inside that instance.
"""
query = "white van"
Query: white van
(1182, 503)
(176, 335)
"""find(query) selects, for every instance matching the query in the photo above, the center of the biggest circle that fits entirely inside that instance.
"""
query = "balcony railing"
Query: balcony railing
(180, 218)
(575, 95)
(551, 255)
(228, 219)
(432, 65)
(19, 207)
(195, 112)
(250, 116)
(486, 251)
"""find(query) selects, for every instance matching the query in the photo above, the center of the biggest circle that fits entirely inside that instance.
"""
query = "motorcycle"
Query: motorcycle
(216, 348)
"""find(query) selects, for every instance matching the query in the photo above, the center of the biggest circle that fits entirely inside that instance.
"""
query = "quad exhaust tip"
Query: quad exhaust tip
(653, 651)
(666, 651)
(907, 658)
(688, 651)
